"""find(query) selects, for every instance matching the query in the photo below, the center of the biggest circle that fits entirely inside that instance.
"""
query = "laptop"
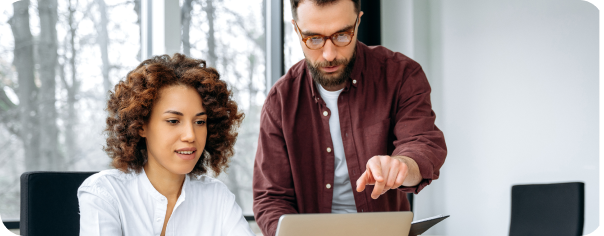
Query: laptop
(370, 223)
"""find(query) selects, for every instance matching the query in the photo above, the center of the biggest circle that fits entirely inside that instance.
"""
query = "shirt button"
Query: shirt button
(328, 149)
(325, 113)
(354, 81)
(158, 219)
(328, 186)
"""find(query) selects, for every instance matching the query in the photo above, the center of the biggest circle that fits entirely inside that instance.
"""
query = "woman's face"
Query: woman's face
(176, 131)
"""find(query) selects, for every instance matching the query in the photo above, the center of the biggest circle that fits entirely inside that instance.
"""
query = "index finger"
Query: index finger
(362, 181)
(376, 170)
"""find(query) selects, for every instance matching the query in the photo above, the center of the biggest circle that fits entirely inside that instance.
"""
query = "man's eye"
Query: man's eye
(343, 37)
(316, 40)
(172, 121)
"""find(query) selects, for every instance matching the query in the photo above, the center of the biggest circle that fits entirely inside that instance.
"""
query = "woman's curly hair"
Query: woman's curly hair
(130, 105)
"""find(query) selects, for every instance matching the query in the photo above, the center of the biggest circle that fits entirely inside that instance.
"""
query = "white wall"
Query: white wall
(515, 90)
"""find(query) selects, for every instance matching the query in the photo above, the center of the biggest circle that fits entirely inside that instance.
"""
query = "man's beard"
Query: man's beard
(329, 80)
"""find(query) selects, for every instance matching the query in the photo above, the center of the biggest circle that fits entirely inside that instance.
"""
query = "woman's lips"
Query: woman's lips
(186, 156)
(330, 69)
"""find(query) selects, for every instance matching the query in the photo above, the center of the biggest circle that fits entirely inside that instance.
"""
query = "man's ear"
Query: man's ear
(294, 26)
(360, 14)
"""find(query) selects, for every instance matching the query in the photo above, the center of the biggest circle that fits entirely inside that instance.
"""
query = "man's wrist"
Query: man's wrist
(414, 176)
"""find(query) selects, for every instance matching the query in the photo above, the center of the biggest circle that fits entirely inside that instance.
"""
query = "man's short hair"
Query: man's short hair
(295, 3)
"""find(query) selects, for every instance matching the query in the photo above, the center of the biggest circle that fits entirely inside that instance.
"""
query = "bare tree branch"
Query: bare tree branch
(103, 43)
(5, 103)
(24, 62)
(259, 41)
(185, 18)
(50, 156)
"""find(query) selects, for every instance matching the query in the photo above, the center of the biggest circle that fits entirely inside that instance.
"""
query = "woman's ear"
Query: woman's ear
(142, 132)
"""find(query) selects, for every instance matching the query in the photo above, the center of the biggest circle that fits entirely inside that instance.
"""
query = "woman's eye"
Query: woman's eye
(200, 122)
(173, 121)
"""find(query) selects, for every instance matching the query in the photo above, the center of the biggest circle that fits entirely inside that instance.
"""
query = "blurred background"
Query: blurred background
(514, 87)
(57, 62)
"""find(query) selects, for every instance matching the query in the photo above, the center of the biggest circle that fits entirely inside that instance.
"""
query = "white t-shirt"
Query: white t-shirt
(343, 199)
(115, 203)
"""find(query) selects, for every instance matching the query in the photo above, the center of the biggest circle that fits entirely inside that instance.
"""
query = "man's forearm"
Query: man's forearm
(268, 210)
(414, 176)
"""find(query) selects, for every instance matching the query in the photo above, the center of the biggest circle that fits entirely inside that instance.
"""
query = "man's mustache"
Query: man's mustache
(331, 63)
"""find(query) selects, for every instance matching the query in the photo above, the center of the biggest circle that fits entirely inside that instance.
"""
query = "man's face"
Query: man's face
(330, 65)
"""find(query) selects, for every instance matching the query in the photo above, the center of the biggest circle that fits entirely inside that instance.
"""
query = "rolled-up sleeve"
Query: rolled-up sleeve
(416, 134)
(98, 214)
(272, 181)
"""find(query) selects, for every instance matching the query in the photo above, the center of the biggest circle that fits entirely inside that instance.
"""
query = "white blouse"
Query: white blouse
(116, 203)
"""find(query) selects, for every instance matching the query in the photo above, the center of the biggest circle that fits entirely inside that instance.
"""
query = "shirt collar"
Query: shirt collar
(359, 64)
(356, 75)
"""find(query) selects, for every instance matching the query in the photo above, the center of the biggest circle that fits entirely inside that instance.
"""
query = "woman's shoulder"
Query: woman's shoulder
(101, 182)
(206, 184)
(112, 175)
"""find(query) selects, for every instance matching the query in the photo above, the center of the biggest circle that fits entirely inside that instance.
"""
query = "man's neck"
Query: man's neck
(335, 87)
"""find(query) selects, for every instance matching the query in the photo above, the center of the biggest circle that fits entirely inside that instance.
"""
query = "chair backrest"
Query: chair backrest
(49, 204)
(548, 209)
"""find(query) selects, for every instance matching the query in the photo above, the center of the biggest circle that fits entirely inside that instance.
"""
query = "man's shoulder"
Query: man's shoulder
(385, 56)
(289, 84)
(292, 78)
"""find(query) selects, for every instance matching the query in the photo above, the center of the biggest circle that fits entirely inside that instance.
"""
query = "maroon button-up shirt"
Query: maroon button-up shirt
(384, 109)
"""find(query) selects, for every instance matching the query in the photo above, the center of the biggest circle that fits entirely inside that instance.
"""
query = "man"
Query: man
(349, 129)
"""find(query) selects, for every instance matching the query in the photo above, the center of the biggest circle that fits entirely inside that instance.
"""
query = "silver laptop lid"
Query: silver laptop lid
(371, 223)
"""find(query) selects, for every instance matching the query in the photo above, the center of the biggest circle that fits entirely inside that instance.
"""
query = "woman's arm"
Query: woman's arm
(98, 216)
(234, 223)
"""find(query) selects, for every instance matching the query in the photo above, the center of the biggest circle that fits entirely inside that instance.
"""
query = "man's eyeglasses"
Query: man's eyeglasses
(340, 39)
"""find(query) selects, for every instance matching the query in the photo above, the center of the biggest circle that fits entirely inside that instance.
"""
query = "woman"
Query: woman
(169, 122)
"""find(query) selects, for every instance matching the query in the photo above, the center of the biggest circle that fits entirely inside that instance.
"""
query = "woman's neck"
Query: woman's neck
(164, 181)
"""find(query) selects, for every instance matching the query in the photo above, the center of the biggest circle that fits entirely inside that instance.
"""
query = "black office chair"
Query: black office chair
(548, 209)
(49, 204)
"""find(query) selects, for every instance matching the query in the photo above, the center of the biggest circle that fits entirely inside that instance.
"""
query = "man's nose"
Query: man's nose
(329, 51)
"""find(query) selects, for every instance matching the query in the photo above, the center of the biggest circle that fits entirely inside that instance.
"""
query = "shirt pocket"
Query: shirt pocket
(375, 138)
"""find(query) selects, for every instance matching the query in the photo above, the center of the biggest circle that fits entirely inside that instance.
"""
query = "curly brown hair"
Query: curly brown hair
(130, 105)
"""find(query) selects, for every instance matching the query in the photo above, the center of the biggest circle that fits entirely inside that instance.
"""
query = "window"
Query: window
(291, 48)
(230, 36)
(56, 64)
(52, 97)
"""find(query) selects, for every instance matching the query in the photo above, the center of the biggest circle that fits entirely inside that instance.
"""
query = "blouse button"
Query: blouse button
(328, 149)
(328, 186)
(325, 113)
(158, 219)
(354, 81)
